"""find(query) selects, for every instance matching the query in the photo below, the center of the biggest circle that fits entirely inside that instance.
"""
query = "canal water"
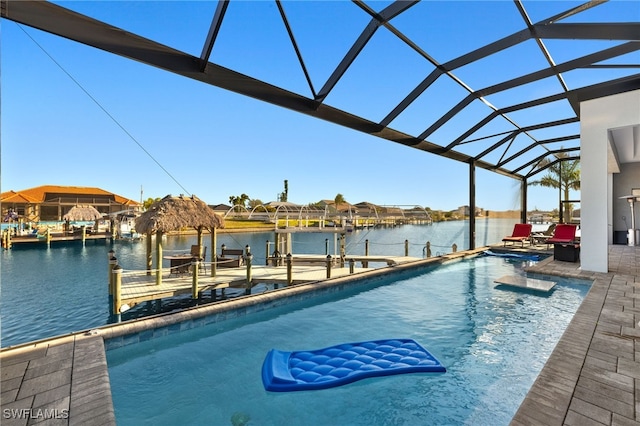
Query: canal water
(46, 292)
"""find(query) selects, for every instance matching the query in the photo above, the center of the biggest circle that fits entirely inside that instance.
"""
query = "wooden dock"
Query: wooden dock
(141, 286)
(53, 237)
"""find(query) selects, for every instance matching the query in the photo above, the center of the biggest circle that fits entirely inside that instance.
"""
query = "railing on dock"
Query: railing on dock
(128, 288)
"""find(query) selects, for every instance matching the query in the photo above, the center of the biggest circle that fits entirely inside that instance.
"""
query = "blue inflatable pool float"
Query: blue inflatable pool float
(523, 256)
(345, 363)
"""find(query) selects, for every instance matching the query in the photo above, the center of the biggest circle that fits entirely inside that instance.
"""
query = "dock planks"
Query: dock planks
(139, 287)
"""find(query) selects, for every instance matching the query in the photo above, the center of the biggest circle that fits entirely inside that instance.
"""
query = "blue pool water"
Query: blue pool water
(62, 289)
(493, 343)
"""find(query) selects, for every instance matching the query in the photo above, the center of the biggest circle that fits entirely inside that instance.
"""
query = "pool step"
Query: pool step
(523, 282)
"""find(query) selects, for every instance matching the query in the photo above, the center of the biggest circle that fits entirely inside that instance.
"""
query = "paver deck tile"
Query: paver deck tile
(579, 419)
(591, 411)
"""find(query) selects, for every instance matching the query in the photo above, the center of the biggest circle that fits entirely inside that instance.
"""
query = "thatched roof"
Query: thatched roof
(83, 213)
(174, 213)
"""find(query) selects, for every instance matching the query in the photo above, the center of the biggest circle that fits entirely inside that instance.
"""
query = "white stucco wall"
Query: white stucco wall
(596, 117)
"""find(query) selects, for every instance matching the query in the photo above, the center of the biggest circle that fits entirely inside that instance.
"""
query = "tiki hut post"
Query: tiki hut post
(149, 253)
(214, 254)
(158, 257)
(200, 241)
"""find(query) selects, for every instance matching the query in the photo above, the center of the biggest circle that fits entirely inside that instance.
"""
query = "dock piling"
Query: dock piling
(289, 270)
(113, 262)
(214, 254)
(266, 254)
(328, 266)
(248, 259)
(158, 258)
(366, 253)
(117, 293)
(7, 239)
(406, 248)
(195, 265)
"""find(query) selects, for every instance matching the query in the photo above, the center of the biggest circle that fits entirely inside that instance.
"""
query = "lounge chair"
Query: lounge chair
(521, 233)
(542, 237)
(563, 234)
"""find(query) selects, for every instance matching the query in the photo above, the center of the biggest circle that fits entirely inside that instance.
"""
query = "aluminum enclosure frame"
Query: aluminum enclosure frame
(68, 24)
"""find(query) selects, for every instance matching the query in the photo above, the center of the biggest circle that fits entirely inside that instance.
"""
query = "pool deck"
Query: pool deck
(593, 375)
(591, 378)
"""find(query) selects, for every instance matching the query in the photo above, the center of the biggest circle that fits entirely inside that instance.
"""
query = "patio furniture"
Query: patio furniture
(564, 243)
(230, 258)
(180, 264)
(195, 253)
(542, 237)
(563, 234)
(521, 233)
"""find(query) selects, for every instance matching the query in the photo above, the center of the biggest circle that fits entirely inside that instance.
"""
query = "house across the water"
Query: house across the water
(52, 202)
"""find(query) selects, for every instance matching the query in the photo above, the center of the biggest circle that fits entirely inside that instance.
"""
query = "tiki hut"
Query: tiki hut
(82, 213)
(173, 214)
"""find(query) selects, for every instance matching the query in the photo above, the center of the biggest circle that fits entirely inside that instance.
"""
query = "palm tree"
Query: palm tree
(240, 201)
(563, 175)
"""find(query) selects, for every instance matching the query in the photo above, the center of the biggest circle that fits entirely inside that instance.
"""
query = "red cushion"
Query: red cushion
(521, 230)
(563, 233)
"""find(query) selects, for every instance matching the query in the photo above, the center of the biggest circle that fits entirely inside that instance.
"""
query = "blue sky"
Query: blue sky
(74, 115)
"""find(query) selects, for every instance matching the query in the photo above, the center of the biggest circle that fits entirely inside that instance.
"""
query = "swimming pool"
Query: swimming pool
(493, 343)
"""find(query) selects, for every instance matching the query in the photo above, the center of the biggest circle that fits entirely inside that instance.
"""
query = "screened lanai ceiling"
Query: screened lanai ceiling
(494, 84)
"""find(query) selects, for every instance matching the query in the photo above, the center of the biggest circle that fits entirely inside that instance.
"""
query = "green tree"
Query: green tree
(339, 199)
(563, 175)
(148, 202)
(254, 202)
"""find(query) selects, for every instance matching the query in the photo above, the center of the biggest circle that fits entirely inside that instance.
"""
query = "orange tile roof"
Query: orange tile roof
(37, 194)
(16, 197)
